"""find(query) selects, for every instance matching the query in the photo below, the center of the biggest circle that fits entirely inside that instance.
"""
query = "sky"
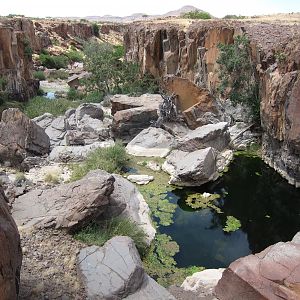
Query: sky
(82, 8)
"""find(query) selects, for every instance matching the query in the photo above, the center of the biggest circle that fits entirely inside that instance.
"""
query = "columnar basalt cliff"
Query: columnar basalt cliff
(192, 51)
(15, 58)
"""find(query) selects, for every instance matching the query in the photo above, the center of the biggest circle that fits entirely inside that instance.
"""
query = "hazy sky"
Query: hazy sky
(81, 8)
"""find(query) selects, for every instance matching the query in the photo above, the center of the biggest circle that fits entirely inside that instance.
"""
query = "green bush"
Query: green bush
(196, 14)
(74, 55)
(58, 74)
(40, 105)
(74, 94)
(98, 234)
(237, 75)
(96, 29)
(40, 75)
(54, 62)
(234, 17)
(27, 48)
(94, 97)
(111, 159)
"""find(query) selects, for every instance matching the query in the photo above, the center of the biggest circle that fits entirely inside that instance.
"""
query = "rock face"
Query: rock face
(20, 137)
(191, 168)
(115, 271)
(191, 53)
(151, 142)
(68, 206)
(16, 65)
(271, 274)
(126, 201)
(211, 135)
(10, 253)
(133, 114)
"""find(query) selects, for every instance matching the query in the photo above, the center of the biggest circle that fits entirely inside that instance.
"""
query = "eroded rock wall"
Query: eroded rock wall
(192, 51)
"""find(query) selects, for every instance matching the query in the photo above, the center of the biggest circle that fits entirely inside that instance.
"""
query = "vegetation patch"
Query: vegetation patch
(232, 224)
(54, 61)
(39, 105)
(58, 74)
(40, 75)
(237, 75)
(111, 159)
(99, 234)
(197, 14)
(74, 55)
(202, 201)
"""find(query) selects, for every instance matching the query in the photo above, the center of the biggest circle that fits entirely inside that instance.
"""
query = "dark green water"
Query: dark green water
(266, 205)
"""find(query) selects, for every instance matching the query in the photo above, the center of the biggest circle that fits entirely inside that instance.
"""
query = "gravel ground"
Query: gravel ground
(49, 266)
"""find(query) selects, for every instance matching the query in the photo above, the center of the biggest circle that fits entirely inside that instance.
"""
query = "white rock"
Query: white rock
(140, 179)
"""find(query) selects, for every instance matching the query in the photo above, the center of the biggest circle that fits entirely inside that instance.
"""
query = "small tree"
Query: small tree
(197, 14)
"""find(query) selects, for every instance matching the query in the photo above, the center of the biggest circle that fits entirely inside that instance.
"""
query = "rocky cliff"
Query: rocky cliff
(190, 51)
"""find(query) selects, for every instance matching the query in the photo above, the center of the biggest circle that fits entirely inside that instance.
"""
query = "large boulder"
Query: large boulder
(211, 135)
(271, 274)
(191, 168)
(92, 110)
(20, 137)
(115, 271)
(133, 114)
(126, 201)
(76, 153)
(151, 142)
(68, 206)
(10, 253)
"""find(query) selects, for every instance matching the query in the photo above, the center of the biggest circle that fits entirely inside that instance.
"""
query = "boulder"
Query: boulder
(203, 283)
(140, 179)
(76, 153)
(240, 136)
(68, 206)
(44, 120)
(273, 274)
(92, 110)
(20, 137)
(10, 253)
(133, 114)
(56, 131)
(211, 135)
(115, 271)
(126, 201)
(151, 142)
(191, 168)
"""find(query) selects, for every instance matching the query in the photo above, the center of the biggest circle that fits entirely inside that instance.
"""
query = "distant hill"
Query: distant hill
(140, 16)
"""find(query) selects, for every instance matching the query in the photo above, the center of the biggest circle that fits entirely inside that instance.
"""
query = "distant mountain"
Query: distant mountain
(141, 16)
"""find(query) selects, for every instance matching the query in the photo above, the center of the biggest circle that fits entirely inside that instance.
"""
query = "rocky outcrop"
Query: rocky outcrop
(20, 137)
(151, 142)
(191, 168)
(68, 206)
(271, 274)
(115, 271)
(16, 65)
(191, 53)
(10, 253)
(133, 114)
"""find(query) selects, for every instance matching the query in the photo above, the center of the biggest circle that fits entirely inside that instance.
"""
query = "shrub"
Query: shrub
(54, 62)
(197, 14)
(96, 29)
(234, 17)
(98, 234)
(74, 94)
(237, 75)
(27, 48)
(74, 55)
(40, 105)
(58, 74)
(111, 159)
(51, 178)
(40, 75)
(94, 97)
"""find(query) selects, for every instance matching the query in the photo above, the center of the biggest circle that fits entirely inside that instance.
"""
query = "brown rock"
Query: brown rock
(68, 206)
(20, 137)
(10, 253)
(271, 274)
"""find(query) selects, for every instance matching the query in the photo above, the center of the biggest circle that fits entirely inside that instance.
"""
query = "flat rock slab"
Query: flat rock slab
(151, 142)
(273, 274)
(140, 179)
(212, 135)
(191, 168)
(113, 271)
(68, 206)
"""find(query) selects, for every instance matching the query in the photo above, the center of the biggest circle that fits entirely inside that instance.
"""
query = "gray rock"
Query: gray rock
(68, 206)
(126, 201)
(191, 168)
(88, 124)
(79, 138)
(151, 142)
(93, 110)
(140, 179)
(70, 112)
(211, 135)
(44, 120)
(56, 131)
(224, 159)
(76, 153)
(150, 290)
(113, 271)
(20, 137)
(176, 129)
(296, 238)
(240, 136)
